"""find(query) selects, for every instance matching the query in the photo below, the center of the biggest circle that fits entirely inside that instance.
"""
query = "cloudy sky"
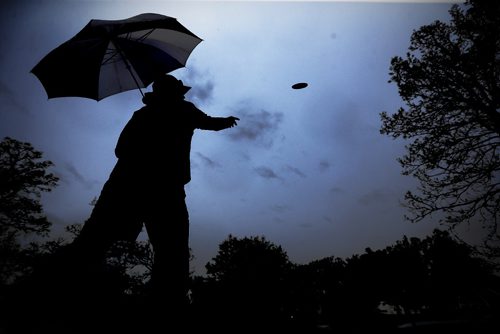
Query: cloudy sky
(307, 169)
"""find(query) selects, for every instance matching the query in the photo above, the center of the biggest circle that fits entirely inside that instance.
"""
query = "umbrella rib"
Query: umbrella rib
(127, 65)
(143, 37)
(140, 38)
(110, 55)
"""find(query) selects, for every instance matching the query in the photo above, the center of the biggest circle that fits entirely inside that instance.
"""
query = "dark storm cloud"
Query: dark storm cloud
(295, 171)
(266, 172)
(202, 86)
(324, 165)
(207, 161)
(328, 219)
(202, 93)
(71, 171)
(280, 208)
(258, 127)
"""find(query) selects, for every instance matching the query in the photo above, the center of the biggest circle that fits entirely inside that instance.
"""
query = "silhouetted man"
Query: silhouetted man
(147, 187)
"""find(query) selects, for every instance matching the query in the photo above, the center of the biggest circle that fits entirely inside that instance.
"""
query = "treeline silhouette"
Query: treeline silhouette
(427, 285)
(252, 285)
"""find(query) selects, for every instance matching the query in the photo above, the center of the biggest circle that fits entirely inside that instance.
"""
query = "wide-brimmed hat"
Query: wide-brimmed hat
(169, 83)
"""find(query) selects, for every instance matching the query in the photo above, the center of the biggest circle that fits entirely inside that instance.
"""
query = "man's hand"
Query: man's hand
(232, 121)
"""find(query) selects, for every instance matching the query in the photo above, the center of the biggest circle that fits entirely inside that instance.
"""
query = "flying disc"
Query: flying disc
(299, 85)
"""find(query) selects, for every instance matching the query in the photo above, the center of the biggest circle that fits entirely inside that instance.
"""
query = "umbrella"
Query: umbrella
(111, 56)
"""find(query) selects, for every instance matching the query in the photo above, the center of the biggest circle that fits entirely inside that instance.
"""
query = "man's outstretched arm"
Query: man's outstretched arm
(218, 123)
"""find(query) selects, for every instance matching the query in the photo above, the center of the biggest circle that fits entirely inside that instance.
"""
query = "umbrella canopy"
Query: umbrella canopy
(111, 56)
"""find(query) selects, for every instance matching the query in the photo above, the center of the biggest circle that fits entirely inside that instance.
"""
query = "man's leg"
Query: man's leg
(168, 231)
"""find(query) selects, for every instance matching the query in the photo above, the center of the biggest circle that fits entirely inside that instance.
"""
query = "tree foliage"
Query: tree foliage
(434, 277)
(248, 279)
(247, 259)
(450, 83)
(437, 277)
(23, 177)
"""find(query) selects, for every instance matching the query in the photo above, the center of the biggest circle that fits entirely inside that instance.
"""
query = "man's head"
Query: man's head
(169, 85)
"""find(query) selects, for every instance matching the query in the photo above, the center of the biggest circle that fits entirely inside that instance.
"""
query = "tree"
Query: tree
(248, 279)
(23, 177)
(450, 83)
(458, 281)
(318, 294)
(436, 277)
(247, 259)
